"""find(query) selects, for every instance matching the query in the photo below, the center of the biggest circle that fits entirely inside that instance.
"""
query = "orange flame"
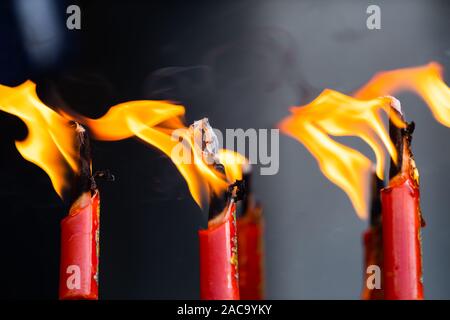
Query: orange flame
(50, 143)
(335, 114)
(160, 124)
(427, 81)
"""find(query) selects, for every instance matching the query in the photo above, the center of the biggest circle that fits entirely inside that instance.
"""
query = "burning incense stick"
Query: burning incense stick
(159, 124)
(373, 243)
(250, 243)
(402, 221)
(218, 243)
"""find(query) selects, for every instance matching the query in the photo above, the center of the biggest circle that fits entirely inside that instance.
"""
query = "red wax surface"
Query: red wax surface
(250, 245)
(79, 252)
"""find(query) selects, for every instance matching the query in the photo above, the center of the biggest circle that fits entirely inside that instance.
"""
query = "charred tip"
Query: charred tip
(410, 127)
(236, 191)
(78, 128)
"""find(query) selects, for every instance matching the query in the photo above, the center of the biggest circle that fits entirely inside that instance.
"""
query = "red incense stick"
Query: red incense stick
(373, 244)
(250, 229)
(219, 278)
(402, 222)
(80, 251)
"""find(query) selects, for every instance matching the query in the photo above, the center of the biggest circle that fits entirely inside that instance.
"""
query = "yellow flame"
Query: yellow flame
(160, 124)
(50, 143)
(335, 114)
(233, 163)
(427, 81)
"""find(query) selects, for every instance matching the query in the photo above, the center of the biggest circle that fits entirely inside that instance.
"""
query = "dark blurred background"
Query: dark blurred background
(242, 64)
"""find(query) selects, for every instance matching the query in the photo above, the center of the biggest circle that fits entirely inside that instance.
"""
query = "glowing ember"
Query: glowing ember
(50, 143)
(335, 114)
